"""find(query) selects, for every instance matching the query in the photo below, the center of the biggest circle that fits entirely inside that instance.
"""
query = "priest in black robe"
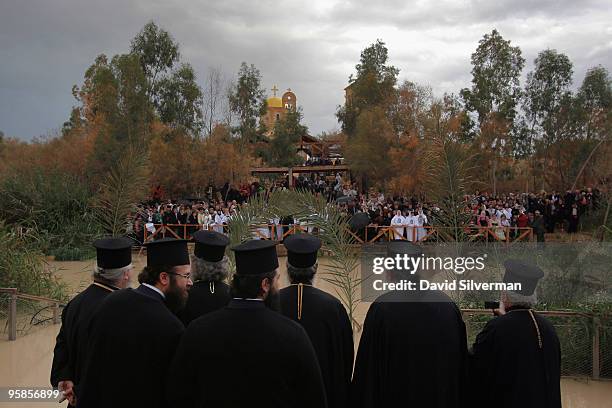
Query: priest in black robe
(134, 334)
(111, 272)
(413, 349)
(322, 316)
(247, 354)
(209, 269)
(516, 359)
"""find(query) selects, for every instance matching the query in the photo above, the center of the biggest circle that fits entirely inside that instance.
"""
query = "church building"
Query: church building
(278, 108)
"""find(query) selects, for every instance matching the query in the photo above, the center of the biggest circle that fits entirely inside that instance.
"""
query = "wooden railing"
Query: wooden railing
(13, 295)
(371, 233)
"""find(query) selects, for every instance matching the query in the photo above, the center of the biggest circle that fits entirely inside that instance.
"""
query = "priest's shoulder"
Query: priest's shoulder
(91, 295)
(129, 300)
(223, 315)
(204, 288)
(510, 320)
(429, 296)
(327, 298)
(313, 292)
(503, 326)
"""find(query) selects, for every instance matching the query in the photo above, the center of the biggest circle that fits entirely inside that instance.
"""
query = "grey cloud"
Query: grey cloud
(45, 47)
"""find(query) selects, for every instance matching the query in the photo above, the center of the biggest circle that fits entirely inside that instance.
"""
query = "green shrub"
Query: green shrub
(55, 205)
(23, 266)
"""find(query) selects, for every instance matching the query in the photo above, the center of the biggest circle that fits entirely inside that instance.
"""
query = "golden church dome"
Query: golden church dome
(275, 102)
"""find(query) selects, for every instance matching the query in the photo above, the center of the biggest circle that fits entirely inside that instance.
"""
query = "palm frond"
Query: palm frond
(332, 228)
(449, 165)
(124, 186)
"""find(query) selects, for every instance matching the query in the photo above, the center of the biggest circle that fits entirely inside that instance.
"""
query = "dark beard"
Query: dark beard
(175, 299)
(272, 301)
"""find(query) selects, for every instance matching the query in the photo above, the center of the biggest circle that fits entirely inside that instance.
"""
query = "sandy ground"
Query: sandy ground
(27, 361)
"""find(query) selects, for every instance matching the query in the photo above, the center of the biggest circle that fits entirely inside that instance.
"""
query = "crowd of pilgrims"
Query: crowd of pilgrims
(186, 337)
(410, 216)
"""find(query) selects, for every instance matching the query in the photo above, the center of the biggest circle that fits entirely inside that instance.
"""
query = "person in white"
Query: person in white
(497, 229)
(421, 220)
(508, 212)
(263, 231)
(398, 219)
(208, 220)
(220, 219)
(411, 222)
(278, 229)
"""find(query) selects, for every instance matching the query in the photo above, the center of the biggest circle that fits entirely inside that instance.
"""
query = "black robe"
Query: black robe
(68, 355)
(133, 337)
(202, 301)
(329, 329)
(507, 367)
(245, 355)
(412, 353)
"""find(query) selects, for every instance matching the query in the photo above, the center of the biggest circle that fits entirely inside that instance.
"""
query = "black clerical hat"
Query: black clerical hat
(526, 274)
(302, 250)
(112, 253)
(402, 247)
(255, 257)
(167, 251)
(210, 245)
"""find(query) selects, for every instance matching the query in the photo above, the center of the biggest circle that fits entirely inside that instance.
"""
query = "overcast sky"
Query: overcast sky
(309, 46)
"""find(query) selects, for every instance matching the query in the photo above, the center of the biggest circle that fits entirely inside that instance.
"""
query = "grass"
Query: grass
(23, 266)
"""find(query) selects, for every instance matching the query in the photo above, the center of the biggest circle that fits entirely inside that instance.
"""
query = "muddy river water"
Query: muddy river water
(27, 361)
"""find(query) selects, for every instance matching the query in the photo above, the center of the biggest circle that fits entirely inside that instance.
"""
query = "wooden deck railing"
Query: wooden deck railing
(371, 233)
(13, 295)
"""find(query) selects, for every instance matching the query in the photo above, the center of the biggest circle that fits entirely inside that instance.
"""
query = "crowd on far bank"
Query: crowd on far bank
(409, 216)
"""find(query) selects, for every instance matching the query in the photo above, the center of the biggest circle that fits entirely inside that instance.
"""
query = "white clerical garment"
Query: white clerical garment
(421, 220)
(398, 232)
(411, 222)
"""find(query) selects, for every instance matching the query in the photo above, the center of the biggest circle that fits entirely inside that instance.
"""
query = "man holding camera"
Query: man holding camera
(516, 359)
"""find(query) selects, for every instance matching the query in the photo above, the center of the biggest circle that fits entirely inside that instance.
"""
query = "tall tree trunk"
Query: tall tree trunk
(588, 159)
(494, 167)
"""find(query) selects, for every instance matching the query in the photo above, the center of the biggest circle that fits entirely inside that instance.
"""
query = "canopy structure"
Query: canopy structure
(292, 171)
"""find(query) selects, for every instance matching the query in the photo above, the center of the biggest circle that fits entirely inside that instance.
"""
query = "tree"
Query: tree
(595, 99)
(547, 93)
(181, 100)
(373, 86)
(495, 92)
(287, 134)
(367, 152)
(134, 108)
(158, 53)
(219, 159)
(548, 105)
(247, 101)
(212, 99)
(177, 148)
(115, 109)
(496, 72)
(171, 85)
(409, 109)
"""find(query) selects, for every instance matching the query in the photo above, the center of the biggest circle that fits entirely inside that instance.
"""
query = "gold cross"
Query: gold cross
(274, 89)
